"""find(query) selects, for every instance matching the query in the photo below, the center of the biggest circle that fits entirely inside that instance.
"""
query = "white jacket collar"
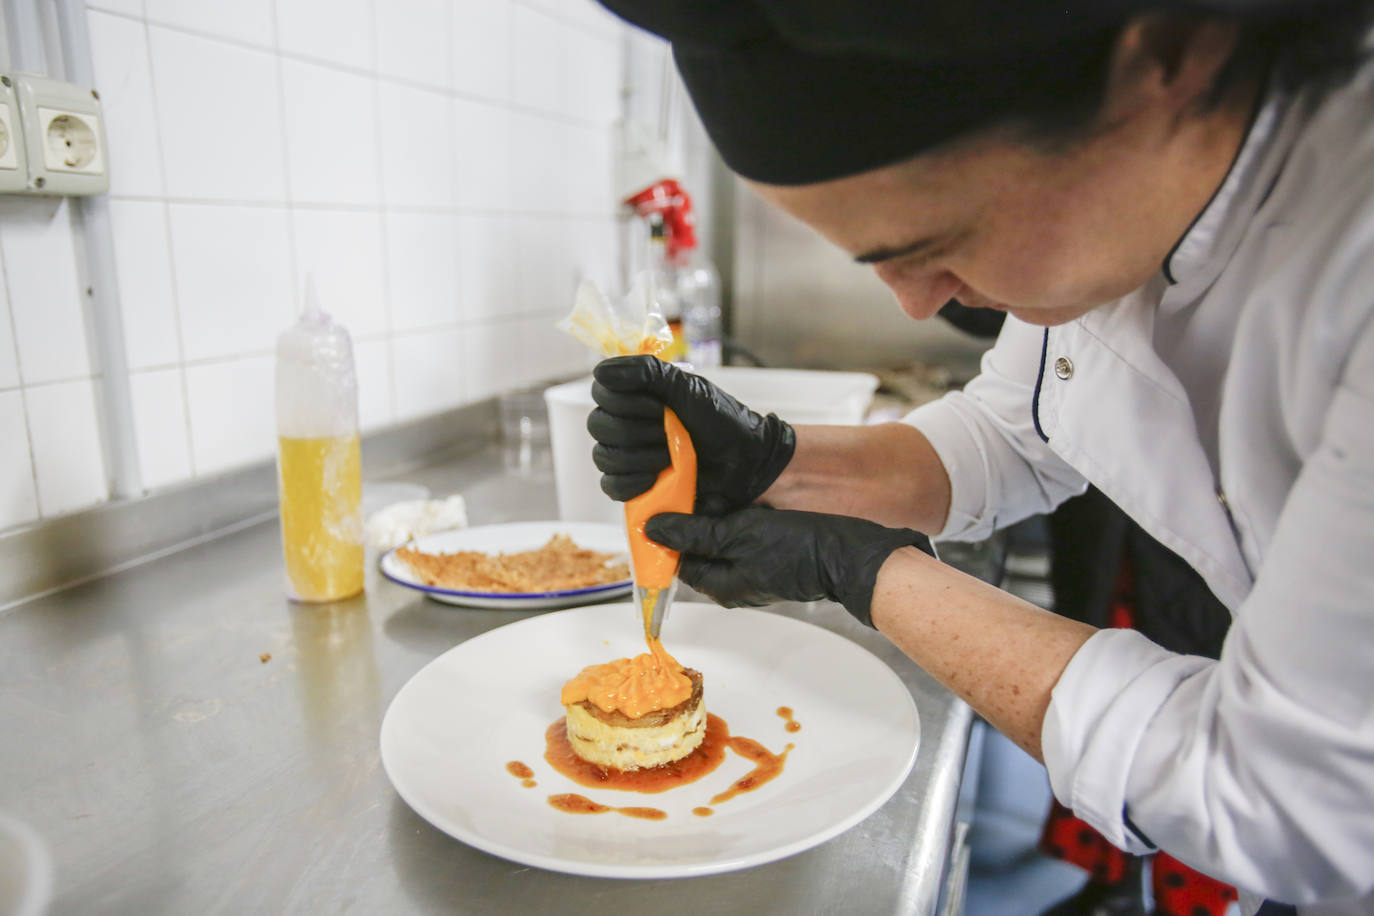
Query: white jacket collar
(1204, 249)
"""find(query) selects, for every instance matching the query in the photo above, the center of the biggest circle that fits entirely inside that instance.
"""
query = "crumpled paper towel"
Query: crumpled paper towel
(400, 523)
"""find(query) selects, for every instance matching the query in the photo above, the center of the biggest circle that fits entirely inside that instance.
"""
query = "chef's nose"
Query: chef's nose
(920, 293)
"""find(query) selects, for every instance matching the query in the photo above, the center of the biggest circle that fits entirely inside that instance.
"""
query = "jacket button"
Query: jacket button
(1063, 367)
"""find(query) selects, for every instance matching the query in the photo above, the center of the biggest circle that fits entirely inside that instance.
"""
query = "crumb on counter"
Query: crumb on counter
(265, 657)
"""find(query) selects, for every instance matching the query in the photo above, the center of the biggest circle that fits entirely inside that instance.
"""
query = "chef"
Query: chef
(1176, 212)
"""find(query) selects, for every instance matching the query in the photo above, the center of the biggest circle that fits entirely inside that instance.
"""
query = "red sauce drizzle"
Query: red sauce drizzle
(580, 804)
(522, 773)
(694, 766)
(792, 724)
(767, 765)
(705, 759)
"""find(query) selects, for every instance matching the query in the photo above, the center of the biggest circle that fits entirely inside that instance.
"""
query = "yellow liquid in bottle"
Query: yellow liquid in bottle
(321, 516)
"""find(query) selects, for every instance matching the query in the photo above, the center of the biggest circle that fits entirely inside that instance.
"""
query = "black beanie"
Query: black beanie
(800, 91)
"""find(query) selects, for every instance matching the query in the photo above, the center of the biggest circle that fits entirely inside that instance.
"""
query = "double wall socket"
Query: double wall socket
(63, 137)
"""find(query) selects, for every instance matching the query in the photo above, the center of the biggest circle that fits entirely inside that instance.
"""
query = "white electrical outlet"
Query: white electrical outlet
(71, 142)
(14, 173)
(9, 141)
(64, 137)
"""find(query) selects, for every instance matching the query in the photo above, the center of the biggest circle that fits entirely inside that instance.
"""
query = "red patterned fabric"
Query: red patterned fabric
(1178, 889)
(1073, 841)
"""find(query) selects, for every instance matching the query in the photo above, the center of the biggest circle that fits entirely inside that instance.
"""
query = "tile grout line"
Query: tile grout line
(571, 22)
(404, 209)
(465, 313)
(188, 429)
(458, 307)
(448, 91)
(384, 215)
(292, 254)
(478, 321)
(21, 388)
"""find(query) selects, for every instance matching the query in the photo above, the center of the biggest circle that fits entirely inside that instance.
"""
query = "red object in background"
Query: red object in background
(668, 199)
(1178, 890)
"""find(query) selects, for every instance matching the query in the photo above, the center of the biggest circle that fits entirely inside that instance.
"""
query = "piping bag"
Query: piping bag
(627, 327)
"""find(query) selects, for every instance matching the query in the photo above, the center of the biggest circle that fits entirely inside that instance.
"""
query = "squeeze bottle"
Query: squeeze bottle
(319, 471)
(698, 289)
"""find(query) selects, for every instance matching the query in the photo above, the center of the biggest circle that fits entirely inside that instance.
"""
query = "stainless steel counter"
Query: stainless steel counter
(170, 770)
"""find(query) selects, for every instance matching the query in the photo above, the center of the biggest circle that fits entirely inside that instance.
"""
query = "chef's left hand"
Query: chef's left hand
(758, 555)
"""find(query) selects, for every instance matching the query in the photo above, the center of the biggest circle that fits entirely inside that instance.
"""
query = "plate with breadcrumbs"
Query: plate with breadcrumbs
(516, 566)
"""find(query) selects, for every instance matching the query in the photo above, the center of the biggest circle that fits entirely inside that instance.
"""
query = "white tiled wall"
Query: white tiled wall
(442, 167)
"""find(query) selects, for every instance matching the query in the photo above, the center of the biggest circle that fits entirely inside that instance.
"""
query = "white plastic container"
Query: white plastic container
(799, 396)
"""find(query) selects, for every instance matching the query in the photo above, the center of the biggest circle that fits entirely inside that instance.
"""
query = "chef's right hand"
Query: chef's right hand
(739, 452)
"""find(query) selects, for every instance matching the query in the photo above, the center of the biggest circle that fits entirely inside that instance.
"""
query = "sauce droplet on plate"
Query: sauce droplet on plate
(792, 724)
(581, 804)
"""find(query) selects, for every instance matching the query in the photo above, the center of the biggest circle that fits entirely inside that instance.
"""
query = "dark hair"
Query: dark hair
(1318, 42)
(1315, 42)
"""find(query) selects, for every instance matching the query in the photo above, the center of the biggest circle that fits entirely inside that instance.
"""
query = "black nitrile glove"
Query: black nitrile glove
(739, 453)
(760, 555)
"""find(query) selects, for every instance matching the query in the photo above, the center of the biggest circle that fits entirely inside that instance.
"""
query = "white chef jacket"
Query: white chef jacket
(1228, 407)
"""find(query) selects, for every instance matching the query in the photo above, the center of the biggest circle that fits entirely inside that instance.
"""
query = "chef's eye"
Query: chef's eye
(917, 260)
(941, 249)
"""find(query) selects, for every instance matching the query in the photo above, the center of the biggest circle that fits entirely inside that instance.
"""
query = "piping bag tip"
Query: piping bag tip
(653, 605)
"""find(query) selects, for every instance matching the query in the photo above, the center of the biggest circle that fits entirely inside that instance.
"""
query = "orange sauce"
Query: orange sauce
(635, 686)
(654, 680)
(580, 804)
(649, 346)
(675, 491)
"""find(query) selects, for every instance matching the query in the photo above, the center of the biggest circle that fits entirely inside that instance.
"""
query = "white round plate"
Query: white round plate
(446, 740)
(26, 869)
(510, 538)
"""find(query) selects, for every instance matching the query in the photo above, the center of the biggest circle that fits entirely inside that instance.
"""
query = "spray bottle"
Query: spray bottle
(689, 281)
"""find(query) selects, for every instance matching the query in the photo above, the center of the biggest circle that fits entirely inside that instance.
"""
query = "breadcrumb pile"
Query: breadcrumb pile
(557, 566)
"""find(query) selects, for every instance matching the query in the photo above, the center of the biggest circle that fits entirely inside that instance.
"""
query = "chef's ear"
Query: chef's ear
(1170, 60)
